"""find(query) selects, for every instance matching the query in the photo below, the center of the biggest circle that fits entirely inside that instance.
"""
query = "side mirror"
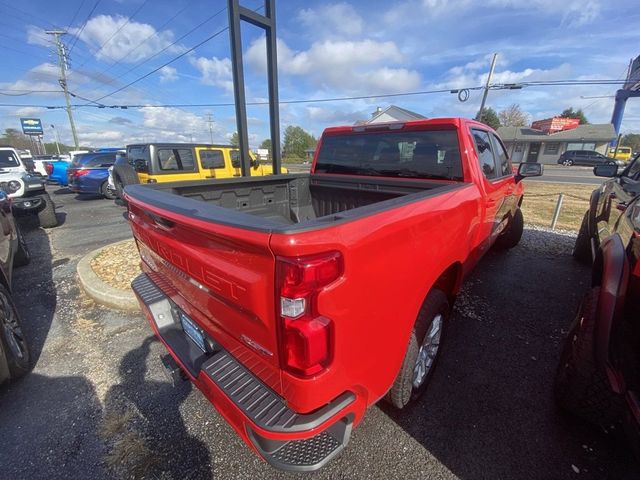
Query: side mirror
(140, 166)
(528, 169)
(605, 170)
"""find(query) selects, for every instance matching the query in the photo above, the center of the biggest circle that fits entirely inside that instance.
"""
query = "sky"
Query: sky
(326, 50)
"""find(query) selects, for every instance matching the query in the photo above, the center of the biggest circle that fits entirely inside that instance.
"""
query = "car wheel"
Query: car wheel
(12, 337)
(582, 247)
(422, 352)
(47, 215)
(567, 163)
(581, 387)
(513, 233)
(22, 256)
(107, 192)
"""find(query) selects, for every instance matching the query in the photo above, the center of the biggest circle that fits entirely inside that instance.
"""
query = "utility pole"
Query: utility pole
(62, 61)
(57, 138)
(486, 87)
(210, 122)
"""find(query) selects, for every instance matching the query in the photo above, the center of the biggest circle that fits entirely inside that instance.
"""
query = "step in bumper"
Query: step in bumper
(286, 439)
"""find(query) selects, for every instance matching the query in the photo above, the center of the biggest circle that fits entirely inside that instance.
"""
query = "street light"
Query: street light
(57, 139)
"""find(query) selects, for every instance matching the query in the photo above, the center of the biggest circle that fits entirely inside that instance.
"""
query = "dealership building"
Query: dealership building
(545, 140)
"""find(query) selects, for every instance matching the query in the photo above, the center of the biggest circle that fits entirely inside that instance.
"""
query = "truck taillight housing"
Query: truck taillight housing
(48, 167)
(306, 336)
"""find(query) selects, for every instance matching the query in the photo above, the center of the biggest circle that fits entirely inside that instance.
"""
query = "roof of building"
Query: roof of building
(595, 132)
(396, 113)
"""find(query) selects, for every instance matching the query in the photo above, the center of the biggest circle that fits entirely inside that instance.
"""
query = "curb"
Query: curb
(100, 291)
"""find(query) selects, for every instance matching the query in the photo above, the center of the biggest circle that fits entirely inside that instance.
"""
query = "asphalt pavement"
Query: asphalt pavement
(97, 404)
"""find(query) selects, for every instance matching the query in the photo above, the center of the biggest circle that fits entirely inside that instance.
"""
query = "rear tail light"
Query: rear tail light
(78, 173)
(48, 167)
(306, 340)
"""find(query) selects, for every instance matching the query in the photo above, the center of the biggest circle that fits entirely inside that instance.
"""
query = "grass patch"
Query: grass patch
(540, 199)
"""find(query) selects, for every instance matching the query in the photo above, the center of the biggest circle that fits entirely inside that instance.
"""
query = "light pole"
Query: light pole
(57, 139)
(486, 88)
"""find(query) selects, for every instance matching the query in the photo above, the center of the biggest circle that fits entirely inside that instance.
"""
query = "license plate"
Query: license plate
(192, 331)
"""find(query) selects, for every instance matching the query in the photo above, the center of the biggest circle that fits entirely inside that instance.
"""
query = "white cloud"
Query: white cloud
(28, 111)
(331, 20)
(37, 36)
(124, 44)
(214, 71)
(168, 74)
(347, 66)
(173, 124)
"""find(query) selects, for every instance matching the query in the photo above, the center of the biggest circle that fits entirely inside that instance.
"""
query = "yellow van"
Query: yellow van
(623, 153)
(177, 162)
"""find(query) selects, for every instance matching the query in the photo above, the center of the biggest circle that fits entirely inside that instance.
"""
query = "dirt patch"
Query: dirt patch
(117, 265)
(541, 198)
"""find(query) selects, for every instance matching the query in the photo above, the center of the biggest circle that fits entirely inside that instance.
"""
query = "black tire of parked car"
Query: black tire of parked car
(107, 192)
(47, 215)
(12, 337)
(567, 163)
(582, 247)
(402, 392)
(580, 387)
(513, 233)
(124, 175)
(22, 256)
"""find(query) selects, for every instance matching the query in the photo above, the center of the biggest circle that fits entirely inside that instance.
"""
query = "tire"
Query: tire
(582, 247)
(124, 175)
(47, 215)
(581, 387)
(407, 388)
(107, 192)
(22, 256)
(512, 235)
(567, 163)
(12, 337)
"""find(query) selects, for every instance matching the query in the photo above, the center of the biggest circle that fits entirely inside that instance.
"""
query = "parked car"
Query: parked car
(89, 173)
(171, 162)
(587, 158)
(14, 350)
(26, 191)
(598, 375)
(295, 302)
(621, 153)
(57, 171)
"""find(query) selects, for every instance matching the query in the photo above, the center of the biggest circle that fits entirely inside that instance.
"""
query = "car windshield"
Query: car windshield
(8, 159)
(425, 154)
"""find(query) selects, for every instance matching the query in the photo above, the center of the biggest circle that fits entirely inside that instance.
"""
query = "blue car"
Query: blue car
(57, 171)
(89, 173)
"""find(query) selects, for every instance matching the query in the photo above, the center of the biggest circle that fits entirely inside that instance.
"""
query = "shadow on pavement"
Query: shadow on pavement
(489, 410)
(48, 428)
(143, 427)
(61, 190)
(34, 290)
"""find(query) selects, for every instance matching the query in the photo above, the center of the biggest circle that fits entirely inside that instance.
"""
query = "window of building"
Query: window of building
(485, 152)
(551, 148)
(581, 146)
(519, 147)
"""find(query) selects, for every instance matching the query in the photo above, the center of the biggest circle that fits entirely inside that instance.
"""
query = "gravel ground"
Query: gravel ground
(97, 404)
(117, 265)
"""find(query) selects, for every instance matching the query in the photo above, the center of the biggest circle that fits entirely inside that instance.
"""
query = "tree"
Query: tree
(631, 140)
(490, 117)
(16, 139)
(513, 116)
(266, 144)
(571, 113)
(234, 139)
(296, 141)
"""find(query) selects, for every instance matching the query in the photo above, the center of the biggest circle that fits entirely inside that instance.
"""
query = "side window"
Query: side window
(504, 164)
(138, 154)
(176, 159)
(211, 159)
(235, 158)
(633, 170)
(485, 153)
(101, 161)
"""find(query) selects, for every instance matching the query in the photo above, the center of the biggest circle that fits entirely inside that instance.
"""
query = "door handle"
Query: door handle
(162, 223)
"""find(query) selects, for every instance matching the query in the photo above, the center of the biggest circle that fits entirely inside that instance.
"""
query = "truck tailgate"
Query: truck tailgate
(222, 277)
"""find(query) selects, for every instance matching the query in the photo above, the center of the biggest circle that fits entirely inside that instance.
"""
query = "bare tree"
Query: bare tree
(513, 116)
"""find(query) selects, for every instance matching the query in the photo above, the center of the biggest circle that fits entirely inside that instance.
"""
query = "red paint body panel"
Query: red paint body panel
(392, 259)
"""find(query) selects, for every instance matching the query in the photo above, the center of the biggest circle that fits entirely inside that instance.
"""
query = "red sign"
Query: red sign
(555, 124)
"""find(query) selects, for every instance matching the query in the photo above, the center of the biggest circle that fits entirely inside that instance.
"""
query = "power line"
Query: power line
(95, 5)
(73, 19)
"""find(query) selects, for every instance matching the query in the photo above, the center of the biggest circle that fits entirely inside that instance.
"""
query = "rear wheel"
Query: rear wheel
(22, 257)
(422, 351)
(47, 215)
(567, 163)
(12, 337)
(107, 192)
(582, 247)
(512, 235)
(581, 387)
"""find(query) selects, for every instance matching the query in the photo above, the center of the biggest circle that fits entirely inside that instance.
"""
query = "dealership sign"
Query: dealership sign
(31, 126)
(555, 124)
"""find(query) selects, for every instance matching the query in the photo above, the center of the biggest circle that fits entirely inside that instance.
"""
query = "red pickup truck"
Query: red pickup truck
(294, 302)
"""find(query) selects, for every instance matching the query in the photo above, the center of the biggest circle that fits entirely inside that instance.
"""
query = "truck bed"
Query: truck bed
(283, 203)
